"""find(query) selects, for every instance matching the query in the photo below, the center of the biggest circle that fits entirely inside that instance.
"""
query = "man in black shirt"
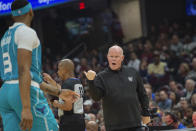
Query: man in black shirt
(123, 96)
(71, 116)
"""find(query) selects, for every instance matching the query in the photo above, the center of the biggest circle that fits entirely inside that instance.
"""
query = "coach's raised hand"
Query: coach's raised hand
(90, 75)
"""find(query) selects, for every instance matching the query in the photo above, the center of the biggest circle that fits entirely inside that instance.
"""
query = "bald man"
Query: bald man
(71, 116)
(122, 93)
(91, 126)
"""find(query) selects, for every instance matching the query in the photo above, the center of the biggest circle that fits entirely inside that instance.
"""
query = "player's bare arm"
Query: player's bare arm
(24, 64)
(67, 105)
(50, 89)
(65, 94)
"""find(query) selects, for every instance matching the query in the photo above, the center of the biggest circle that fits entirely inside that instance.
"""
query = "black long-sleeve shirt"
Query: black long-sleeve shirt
(123, 95)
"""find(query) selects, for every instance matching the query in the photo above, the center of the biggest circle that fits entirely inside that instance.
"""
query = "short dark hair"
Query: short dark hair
(17, 4)
(172, 115)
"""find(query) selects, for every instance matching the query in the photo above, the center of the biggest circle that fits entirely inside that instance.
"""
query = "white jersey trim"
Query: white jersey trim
(25, 37)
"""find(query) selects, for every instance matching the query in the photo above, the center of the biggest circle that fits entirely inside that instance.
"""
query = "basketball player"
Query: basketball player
(22, 102)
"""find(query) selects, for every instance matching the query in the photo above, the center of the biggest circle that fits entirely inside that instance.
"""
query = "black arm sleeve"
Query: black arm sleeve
(96, 88)
(143, 98)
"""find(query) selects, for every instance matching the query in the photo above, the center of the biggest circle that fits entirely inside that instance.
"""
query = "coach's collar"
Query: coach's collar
(119, 70)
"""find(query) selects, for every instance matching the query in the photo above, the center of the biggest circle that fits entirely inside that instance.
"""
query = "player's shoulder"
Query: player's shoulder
(25, 29)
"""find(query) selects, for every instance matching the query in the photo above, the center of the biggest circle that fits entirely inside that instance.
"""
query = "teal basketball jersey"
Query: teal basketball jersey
(8, 58)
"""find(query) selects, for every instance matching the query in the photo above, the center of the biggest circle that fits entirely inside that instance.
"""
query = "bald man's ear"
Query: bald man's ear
(123, 57)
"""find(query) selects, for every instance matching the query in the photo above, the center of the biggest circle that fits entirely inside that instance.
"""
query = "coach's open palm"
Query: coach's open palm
(90, 75)
(69, 96)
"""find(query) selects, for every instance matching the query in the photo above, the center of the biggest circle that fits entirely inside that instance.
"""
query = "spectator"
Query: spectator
(91, 126)
(190, 88)
(176, 45)
(194, 119)
(187, 120)
(148, 89)
(175, 88)
(147, 52)
(95, 65)
(157, 97)
(193, 101)
(182, 73)
(183, 106)
(172, 120)
(174, 98)
(87, 106)
(102, 127)
(156, 71)
(192, 73)
(165, 103)
(143, 69)
(92, 117)
(134, 62)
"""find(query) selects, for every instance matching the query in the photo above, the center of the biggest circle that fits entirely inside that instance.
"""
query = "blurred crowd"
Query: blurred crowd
(166, 60)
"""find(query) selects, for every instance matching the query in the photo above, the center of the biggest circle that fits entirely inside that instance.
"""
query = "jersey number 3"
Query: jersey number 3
(7, 63)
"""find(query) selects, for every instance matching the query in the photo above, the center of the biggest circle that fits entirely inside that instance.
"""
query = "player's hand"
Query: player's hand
(67, 106)
(69, 96)
(90, 75)
(26, 119)
(146, 119)
(49, 79)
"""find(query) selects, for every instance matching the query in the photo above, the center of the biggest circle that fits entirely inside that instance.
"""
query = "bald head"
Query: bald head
(115, 57)
(92, 126)
(117, 49)
(190, 85)
(67, 64)
(65, 69)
